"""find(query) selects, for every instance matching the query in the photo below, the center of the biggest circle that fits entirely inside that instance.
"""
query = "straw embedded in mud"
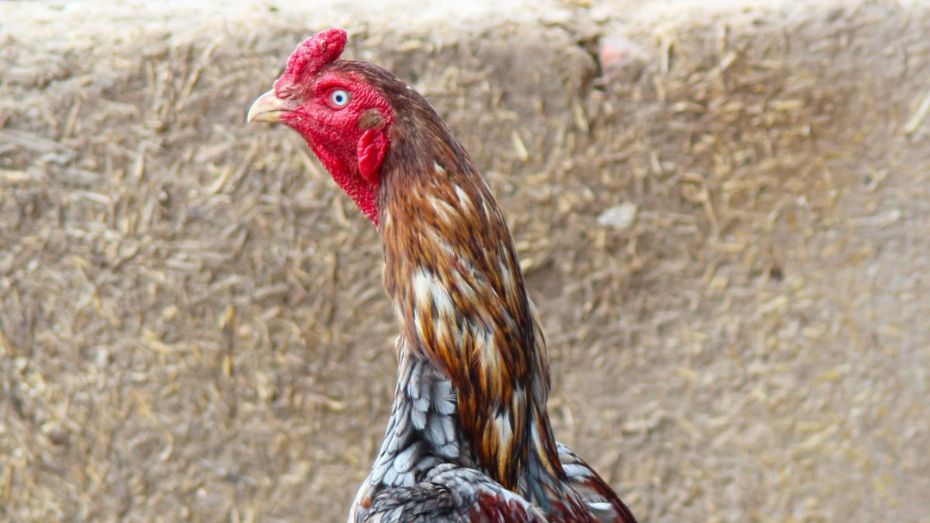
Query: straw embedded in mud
(191, 318)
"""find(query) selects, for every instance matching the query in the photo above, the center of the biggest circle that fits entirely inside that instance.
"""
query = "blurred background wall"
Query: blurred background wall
(722, 212)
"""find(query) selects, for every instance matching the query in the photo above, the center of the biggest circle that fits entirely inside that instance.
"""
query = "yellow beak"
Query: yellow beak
(267, 108)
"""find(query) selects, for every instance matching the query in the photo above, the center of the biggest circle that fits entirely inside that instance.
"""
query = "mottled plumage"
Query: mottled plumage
(469, 438)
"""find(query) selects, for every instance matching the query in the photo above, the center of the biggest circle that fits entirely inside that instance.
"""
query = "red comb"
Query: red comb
(315, 52)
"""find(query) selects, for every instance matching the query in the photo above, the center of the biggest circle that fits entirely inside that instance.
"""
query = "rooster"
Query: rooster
(468, 439)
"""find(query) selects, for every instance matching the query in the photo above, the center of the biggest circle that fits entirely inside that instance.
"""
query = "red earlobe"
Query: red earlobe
(372, 147)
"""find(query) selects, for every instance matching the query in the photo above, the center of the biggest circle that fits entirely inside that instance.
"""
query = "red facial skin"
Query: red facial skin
(351, 147)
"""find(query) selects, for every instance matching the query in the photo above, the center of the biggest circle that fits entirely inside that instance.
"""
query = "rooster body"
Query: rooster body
(469, 439)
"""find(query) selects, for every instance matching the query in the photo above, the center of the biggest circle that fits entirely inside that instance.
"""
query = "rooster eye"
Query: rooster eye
(339, 98)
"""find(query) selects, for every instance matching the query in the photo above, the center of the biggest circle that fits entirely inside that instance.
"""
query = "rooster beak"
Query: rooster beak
(267, 108)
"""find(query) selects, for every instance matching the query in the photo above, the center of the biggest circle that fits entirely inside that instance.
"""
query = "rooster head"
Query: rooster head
(342, 116)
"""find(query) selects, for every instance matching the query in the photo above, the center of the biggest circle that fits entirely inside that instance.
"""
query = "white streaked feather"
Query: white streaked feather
(427, 289)
(504, 427)
(506, 276)
(464, 199)
(444, 208)
(575, 470)
(484, 339)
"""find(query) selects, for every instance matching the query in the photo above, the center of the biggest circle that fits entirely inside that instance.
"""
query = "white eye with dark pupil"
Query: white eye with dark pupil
(339, 97)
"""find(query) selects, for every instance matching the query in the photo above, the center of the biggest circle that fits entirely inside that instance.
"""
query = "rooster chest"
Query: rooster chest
(423, 434)
(423, 430)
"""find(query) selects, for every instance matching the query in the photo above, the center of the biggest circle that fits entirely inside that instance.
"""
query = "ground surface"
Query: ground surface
(191, 323)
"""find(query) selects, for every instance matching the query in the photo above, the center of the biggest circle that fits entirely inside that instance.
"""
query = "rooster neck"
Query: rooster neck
(453, 275)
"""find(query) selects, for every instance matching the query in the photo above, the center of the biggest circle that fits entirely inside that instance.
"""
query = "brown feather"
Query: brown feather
(453, 274)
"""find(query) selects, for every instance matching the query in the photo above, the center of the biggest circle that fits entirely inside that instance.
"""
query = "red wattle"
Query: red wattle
(372, 146)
